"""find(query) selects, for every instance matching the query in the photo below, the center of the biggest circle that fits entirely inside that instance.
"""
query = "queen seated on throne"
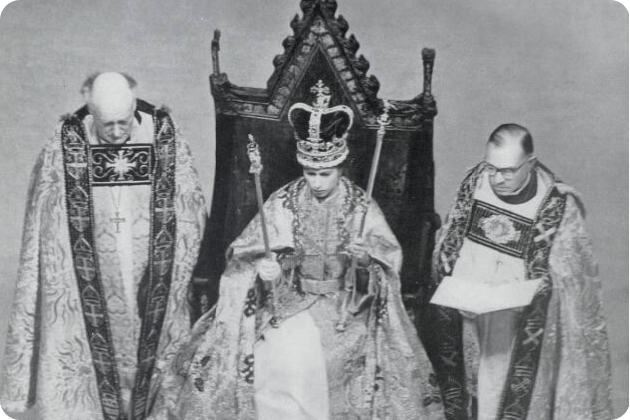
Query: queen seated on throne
(314, 328)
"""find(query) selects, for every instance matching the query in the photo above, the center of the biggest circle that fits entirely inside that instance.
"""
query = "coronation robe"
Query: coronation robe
(248, 361)
(548, 360)
(110, 240)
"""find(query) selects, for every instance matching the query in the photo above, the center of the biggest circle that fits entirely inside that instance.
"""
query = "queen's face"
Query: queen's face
(322, 182)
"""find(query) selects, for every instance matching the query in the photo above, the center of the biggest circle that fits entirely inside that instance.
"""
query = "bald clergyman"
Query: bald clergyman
(113, 224)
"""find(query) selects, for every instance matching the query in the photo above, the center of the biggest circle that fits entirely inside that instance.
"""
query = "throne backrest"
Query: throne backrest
(320, 50)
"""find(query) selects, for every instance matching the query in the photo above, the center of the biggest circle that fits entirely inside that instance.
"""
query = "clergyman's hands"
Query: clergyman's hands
(269, 269)
(358, 250)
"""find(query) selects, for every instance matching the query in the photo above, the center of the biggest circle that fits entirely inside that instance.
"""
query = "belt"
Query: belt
(321, 287)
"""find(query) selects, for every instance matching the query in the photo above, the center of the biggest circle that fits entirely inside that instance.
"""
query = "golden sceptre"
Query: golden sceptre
(256, 168)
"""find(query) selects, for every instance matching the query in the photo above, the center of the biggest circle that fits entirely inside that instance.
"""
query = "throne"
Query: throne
(320, 50)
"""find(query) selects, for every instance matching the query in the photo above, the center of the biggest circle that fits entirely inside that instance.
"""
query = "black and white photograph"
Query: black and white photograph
(314, 210)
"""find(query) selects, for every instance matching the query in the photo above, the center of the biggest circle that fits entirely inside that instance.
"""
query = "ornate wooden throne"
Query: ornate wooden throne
(319, 49)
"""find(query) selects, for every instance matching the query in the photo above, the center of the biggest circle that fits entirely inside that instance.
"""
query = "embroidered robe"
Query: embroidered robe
(110, 240)
(548, 360)
(375, 368)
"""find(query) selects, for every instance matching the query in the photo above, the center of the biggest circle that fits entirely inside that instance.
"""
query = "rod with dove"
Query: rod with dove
(350, 304)
(255, 168)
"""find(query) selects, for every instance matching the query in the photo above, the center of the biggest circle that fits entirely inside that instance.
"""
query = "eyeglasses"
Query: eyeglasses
(507, 173)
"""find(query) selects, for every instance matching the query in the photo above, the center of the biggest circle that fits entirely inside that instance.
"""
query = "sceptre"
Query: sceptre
(256, 168)
(383, 121)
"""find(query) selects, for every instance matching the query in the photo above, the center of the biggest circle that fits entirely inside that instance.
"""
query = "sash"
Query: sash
(446, 323)
(79, 181)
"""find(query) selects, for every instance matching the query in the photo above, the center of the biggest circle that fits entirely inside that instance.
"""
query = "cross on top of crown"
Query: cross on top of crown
(322, 94)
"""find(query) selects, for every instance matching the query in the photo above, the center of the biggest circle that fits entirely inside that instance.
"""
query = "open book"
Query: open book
(478, 297)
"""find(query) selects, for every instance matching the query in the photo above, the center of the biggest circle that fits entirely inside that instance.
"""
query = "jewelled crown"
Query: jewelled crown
(320, 131)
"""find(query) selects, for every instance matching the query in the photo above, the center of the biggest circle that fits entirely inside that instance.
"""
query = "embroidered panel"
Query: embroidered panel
(78, 165)
(80, 220)
(521, 377)
(161, 254)
(445, 324)
(499, 229)
(126, 165)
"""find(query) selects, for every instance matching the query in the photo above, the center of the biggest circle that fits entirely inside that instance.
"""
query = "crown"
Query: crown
(320, 131)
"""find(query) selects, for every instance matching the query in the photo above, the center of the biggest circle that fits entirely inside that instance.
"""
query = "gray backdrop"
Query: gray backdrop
(559, 67)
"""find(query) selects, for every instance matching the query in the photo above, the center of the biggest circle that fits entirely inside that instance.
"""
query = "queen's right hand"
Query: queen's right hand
(269, 269)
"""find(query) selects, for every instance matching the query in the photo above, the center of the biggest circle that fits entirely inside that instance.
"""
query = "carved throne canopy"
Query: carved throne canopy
(320, 50)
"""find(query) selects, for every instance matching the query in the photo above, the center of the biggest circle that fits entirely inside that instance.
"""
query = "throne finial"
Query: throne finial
(428, 58)
(216, 70)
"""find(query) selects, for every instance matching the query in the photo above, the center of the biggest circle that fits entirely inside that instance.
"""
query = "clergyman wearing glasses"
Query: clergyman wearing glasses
(517, 326)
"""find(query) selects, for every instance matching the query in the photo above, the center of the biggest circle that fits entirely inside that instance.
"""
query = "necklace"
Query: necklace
(118, 220)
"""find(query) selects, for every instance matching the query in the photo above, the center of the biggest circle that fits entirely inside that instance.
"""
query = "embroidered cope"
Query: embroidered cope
(548, 360)
(107, 254)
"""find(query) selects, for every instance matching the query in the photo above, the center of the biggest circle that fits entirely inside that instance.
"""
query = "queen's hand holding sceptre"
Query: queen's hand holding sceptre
(268, 268)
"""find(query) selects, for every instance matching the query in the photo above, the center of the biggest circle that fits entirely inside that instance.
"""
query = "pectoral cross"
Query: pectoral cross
(118, 220)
